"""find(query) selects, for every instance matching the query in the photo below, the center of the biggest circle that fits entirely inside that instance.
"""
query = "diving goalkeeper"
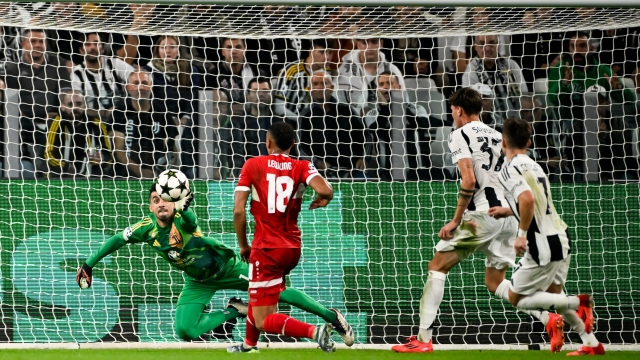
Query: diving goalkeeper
(172, 230)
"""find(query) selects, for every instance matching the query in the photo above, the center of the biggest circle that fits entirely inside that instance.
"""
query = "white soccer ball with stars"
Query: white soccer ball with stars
(172, 185)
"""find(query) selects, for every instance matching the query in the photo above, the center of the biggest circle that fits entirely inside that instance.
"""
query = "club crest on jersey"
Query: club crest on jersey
(312, 167)
(127, 233)
(175, 238)
(173, 255)
(178, 260)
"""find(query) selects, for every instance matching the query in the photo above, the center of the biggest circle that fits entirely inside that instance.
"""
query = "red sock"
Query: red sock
(252, 333)
(286, 325)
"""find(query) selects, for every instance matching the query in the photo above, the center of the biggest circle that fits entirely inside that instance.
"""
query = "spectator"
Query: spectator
(614, 137)
(480, 21)
(260, 116)
(451, 49)
(616, 49)
(414, 56)
(144, 140)
(378, 125)
(578, 70)
(343, 19)
(134, 49)
(502, 75)
(38, 77)
(457, 49)
(175, 81)
(77, 146)
(487, 115)
(9, 44)
(225, 157)
(632, 56)
(271, 55)
(536, 52)
(233, 73)
(359, 71)
(545, 140)
(175, 92)
(340, 20)
(61, 41)
(586, 15)
(101, 78)
(331, 132)
(292, 96)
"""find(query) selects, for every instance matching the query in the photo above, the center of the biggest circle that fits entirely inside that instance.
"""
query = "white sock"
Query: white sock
(577, 325)
(502, 292)
(548, 301)
(424, 335)
(589, 340)
(430, 302)
(543, 316)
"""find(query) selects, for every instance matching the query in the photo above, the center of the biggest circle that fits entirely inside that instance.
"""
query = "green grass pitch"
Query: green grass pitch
(273, 354)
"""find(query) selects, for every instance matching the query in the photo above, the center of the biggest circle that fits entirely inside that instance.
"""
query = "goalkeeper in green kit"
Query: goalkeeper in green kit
(172, 230)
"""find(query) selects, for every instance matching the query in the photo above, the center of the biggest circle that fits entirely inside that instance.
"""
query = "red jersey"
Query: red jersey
(277, 184)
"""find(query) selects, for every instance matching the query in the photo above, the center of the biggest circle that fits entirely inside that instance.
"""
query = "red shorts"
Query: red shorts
(267, 269)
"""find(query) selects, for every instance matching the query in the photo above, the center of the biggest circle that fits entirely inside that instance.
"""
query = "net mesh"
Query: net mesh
(378, 132)
(305, 21)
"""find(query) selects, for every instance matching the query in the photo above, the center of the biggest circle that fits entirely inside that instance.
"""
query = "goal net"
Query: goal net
(97, 99)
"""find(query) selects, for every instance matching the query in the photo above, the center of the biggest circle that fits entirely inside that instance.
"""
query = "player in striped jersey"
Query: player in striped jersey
(476, 148)
(543, 240)
(292, 89)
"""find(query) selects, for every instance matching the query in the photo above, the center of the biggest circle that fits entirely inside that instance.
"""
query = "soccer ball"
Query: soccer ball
(172, 185)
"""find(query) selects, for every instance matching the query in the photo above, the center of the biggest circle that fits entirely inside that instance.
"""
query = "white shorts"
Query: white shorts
(493, 237)
(529, 277)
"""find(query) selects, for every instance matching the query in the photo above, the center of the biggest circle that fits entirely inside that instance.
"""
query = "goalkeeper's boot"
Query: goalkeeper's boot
(343, 328)
(555, 329)
(585, 312)
(241, 349)
(413, 345)
(323, 337)
(239, 305)
(588, 351)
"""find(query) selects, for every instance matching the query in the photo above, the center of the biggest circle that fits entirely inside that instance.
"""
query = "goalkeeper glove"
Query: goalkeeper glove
(83, 277)
(183, 204)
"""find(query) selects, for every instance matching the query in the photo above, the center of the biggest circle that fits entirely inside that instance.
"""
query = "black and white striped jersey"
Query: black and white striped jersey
(483, 145)
(547, 236)
(102, 88)
(292, 89)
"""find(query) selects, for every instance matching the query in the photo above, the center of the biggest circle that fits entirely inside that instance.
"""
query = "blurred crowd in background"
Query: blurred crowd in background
(128, 106)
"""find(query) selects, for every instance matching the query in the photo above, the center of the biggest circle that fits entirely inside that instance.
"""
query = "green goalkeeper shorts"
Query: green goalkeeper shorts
(234, 277)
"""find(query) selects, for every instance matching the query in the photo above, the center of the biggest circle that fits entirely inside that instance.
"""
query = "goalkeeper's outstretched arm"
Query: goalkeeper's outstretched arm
(110, 246)
(131, 235)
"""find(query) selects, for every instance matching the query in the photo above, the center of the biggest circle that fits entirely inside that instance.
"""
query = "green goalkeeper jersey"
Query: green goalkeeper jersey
(181, 244)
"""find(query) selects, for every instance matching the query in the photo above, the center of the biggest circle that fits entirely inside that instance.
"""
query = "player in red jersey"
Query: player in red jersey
(276, 183)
